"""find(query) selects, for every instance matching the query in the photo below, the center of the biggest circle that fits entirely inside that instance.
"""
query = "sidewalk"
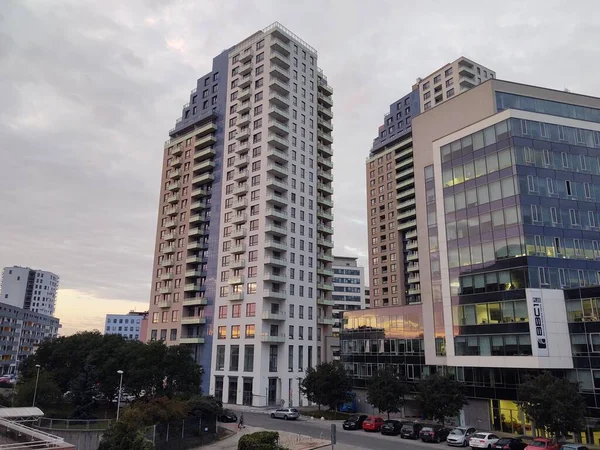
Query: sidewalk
(291, 441)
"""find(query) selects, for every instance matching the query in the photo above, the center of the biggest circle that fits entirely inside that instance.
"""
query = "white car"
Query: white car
(459, 436)
(483, 440)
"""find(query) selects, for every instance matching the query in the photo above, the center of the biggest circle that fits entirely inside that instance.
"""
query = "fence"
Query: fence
(45, 423)
(182, 434)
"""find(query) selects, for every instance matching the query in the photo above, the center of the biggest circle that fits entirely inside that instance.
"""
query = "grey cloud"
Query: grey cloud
(89, 90)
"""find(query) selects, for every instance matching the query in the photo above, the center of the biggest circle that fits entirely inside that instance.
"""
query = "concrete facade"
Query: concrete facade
(30, 289)
(133, 325)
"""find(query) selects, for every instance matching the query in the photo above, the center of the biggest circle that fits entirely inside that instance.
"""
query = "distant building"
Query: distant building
(132, 325)
(21, 332)
(29, 289)
(367, 297)
(348, 288)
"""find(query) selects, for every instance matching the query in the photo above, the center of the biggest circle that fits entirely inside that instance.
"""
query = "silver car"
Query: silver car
(285, 414)
(459, 436)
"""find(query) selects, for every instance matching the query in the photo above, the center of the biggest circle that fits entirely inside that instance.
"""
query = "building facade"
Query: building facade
(506, 181)
(348, 288)
(21, 332)
(133, 325)
(243, 266)
(33, 290)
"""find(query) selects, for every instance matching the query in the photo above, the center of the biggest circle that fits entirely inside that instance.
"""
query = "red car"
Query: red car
(372, 423)
(542, 443)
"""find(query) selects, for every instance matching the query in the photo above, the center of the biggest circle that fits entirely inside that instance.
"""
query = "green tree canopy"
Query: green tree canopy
(326, 384)
(48, 393)
(440, 396)
(553, 404)
(386, 390)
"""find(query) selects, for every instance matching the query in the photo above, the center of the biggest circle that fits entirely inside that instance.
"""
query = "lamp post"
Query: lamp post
(37, 378)
(120, 372)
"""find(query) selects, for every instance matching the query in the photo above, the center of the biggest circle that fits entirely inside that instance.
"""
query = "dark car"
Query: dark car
(410, 430)
(228, 416)
(354, 422)
(434, 433)
(509, 444)
(391, 427)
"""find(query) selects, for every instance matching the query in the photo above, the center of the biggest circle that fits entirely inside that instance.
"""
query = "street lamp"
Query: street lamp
(37, 378)
(120, 372)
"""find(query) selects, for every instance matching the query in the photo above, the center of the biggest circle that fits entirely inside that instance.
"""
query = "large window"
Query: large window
(495, 345)
(491, 313)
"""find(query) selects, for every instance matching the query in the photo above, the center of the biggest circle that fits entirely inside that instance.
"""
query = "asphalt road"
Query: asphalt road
(346, 440)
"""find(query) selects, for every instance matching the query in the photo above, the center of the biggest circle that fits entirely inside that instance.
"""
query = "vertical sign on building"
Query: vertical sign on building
(539, 322)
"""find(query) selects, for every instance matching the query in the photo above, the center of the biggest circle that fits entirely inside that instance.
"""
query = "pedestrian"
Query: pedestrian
(241, 424)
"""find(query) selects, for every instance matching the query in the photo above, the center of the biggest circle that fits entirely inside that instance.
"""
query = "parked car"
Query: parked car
(459, 436)
(391, 427)
(285, 414)
(545, 443)
(354, 422)
(510, 444)
(483, 440)
(573, 447)
(410, 430)
(372, 423)
(228, 416)
(434, 433)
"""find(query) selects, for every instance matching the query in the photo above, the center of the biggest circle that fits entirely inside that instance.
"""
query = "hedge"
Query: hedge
(261, 440)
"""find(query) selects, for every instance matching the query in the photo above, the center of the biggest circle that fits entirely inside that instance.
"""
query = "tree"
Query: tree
(123, 435)
(553, 404)
(48, 392)
(326, 384)
(386, 390)
(82, 392)
(440, 396)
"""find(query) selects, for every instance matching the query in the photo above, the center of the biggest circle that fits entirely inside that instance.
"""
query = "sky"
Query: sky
(89, 90)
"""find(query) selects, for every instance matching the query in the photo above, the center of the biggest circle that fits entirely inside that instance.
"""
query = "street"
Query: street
(346, 440)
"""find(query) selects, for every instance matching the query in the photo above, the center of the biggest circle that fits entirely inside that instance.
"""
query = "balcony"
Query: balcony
(414, 291)
(412, 256)
(325, 112)
(323, 86)
(243, 120)
(205, 178)
(165, 290)
(168, 249)
(175, 174)
(172, 211)
(203, 166)
(467, 83)
(325, 243)
(411, 234)
(241, 161)
(325, 175)
(191, 340)
(325, 229)
(325, 301)
(237, 249)
(166, 276)
(277, 245)
(276, 230)
(178, 150)
(276, 213)
(239, 264)
(280, 72)
(268, 315)
(243, 135)
(407, 214)
(406, 193)
(325, 188)
(322, 214)
(277, 169)
(236, 296)
(169, 237)
(325, 149)
(235, 280)
(241, 175)
(170, 223)
(199, 192)
(273, 339)
(240, 204)
(176, 162)
(167, 262)
(239, 219)
(196, 260)
(280, 142)
(279, 127)
(245, 81)
(325, 320)
(241, 189)
(325, 137)
(238, 234)
(197, 218)
(275, 261)
(174, 186)
(407, 224)
(325, 162)
(276, 199)
(324, 256)
(195, 273)
(414, 278)
(412, 245)
(325, 286)
(279, 100)
(325, 99)
(325, 124)
(279, 45)
(280, 59)
(193, 287)
(243, 147)
(324, 201)
(414, 267)
(277, 155)
(324, 271)
(244, 94)
(281, 87)
(196, 206)
(278, 295)
(275, 277)
(245, 69)
(276, 182)
(164, 304)
(205, 141)
(195, 301)
(203, 154)
(243, 108)
(173, 198)
(193, 320)
(279, 113)
(205, 129)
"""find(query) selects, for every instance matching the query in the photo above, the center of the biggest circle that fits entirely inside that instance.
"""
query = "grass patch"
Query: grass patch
(327, 414)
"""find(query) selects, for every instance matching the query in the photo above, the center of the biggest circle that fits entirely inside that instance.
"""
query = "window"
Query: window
(235, 311)
(450, 93)
(250, 331)
(568, 187)
(531, 184)
(528, 153)
(248, 357)
(550, 184)
(235, 331)
(221, 332)
(250, 309)
(222, 312)
(574, 217)
(565, 159)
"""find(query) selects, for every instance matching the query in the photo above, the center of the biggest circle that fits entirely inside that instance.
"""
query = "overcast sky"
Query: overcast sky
(89, 90)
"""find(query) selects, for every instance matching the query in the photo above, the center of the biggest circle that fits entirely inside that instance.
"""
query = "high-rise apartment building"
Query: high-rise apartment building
(507, 203)
(29, 289)
(243, 265)
(348, 288)
(133, 325)
(393, 247)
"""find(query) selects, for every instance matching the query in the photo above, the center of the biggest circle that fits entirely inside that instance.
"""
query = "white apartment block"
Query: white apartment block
(131, 326)
(29, 289)
(349, 291)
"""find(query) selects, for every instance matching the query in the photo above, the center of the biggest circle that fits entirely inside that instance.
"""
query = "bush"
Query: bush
(261, 440)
